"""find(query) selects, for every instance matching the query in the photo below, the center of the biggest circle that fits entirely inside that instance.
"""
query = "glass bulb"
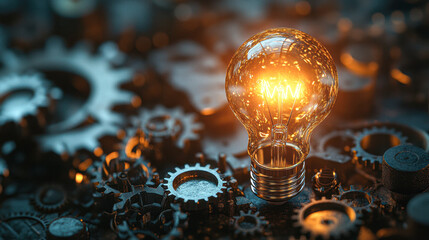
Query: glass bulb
(280, 84)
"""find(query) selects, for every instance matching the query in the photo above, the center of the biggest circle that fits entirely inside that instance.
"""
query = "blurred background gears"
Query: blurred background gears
(195, 187)
(26, 100)
(360, 200)
(84, 113)
(192, 69)
(371, 143)
(249, 224)
(165, 130)
(23, 225)
(50, 198)
(335, 146)
(327, 219)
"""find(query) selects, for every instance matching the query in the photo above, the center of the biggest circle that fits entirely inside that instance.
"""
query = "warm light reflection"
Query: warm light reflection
(79, 177)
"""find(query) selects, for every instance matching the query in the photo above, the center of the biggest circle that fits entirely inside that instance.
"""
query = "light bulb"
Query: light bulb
(280, 84)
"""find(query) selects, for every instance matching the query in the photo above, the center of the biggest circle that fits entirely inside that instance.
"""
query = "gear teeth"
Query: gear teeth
(341, 230)
(366, 158)
(190, 203)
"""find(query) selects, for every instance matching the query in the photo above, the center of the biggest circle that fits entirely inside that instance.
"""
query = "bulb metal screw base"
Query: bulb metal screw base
(277, 184)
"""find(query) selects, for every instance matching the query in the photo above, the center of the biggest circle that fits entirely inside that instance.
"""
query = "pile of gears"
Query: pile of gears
(114, 122)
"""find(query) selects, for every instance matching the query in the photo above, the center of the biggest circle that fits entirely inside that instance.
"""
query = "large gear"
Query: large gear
(19, 118)
(104, 80)
(249, 224)
(366, 146)
(194, 186)
(23, 225)
(50, 198)
(360, 200)
(327, 219)
(161, 124)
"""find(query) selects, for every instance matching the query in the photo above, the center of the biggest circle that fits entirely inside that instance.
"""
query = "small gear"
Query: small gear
(26, 101)
(73, 133)
(161, 124)
(360, 200)
(336, 146)
(118, 175)
(23, 225)
(370, 144)
(50, 198)
(327, 219)
(249, 224)
(194, 186)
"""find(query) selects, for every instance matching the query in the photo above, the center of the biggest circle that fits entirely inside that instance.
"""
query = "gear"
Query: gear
(23, 115)
(118, 175)
(161, 124)
(336, 146)
(249, 224)
(370, 144)
(360, 200)
(68, 135)
(194, 186)
(327, 219)
(23, 225)
(50, 198)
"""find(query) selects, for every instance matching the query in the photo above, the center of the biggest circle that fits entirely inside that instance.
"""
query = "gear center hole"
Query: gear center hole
(247, 222)
(196, 184)
(377, 144)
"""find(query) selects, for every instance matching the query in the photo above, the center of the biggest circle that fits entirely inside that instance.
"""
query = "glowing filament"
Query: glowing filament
(280, 91)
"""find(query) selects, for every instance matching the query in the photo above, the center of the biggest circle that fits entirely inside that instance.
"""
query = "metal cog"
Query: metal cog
(120, 175)
(104, 80)
(8, 218)
(50, 198)
(194, 186)
(249, 224)
(25, 119)
(333, 219)
(326, 150)
(370, 158)
(360, 200)
(161, 124)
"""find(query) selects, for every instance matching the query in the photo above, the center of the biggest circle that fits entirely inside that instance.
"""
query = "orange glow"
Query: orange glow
(98, 151)
(279, 90)
(111, 156)
(131, 144)
(400, 76)
(78, 177)
(363, 69)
